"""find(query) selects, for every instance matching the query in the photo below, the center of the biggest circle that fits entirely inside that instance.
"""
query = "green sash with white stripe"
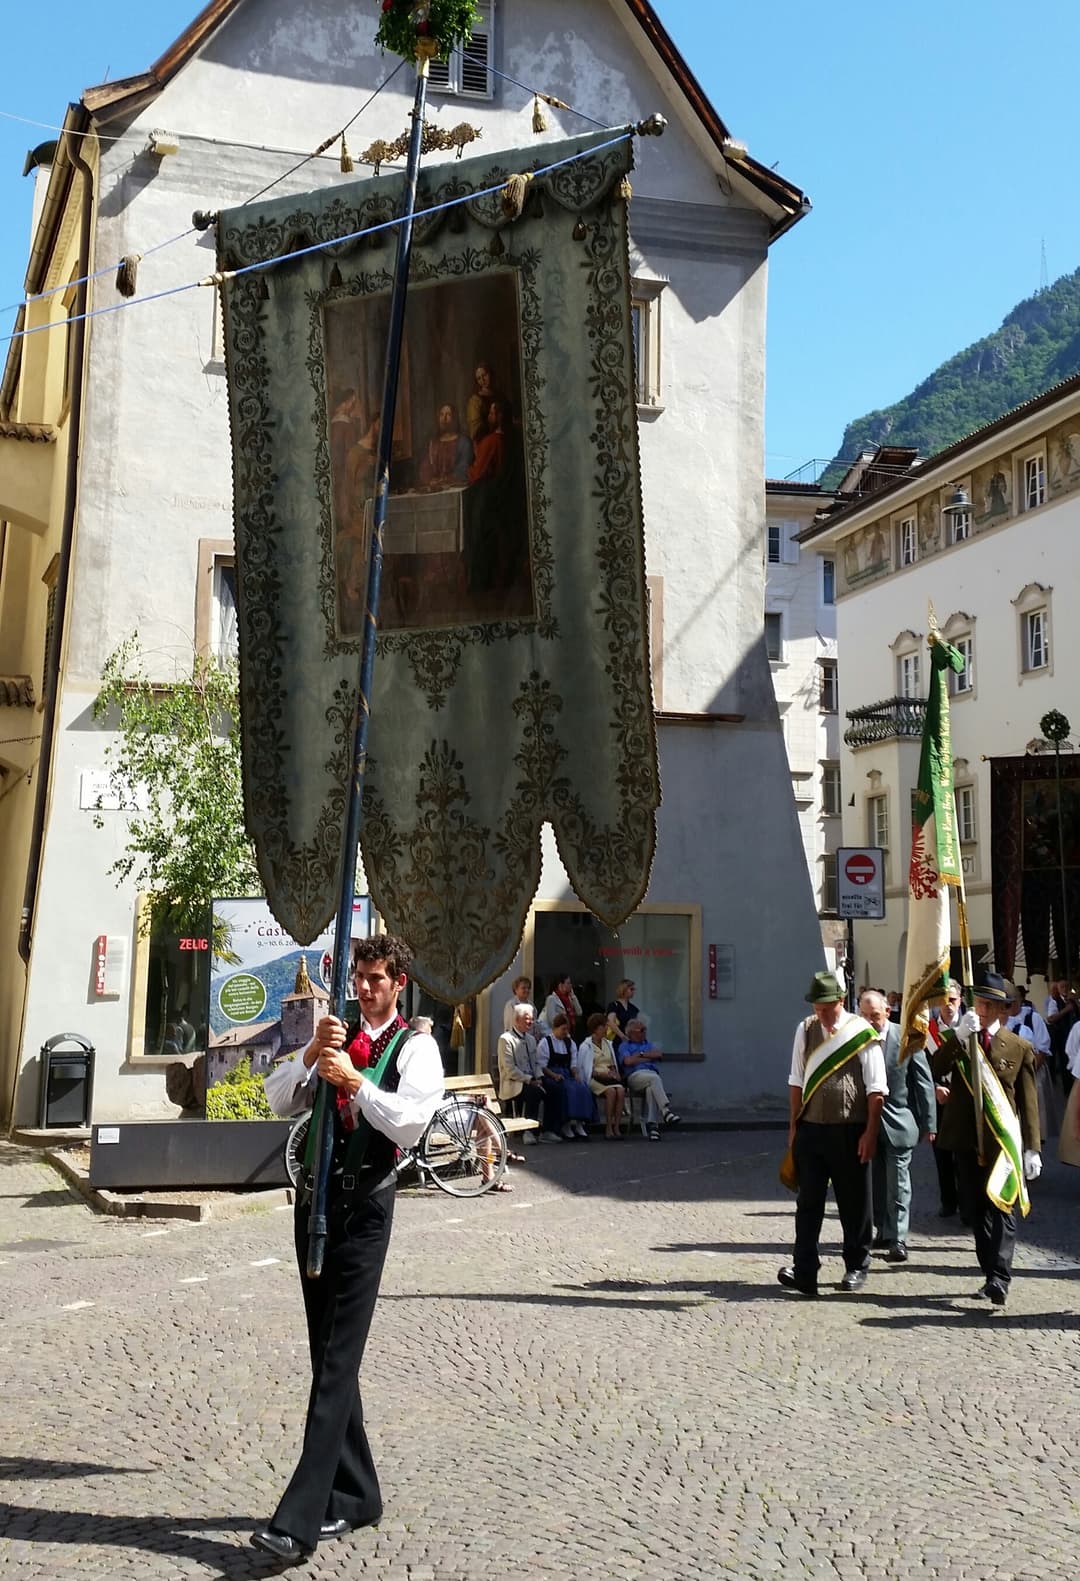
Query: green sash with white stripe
(829, 1057)
(1006, 1187)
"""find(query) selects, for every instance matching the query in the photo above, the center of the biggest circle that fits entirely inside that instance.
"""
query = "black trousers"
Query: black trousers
(335, 1478)
(825, 1153)
(946, 1174)
(995, 1231)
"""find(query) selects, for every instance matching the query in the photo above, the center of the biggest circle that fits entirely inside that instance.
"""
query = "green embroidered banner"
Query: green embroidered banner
(512, 679)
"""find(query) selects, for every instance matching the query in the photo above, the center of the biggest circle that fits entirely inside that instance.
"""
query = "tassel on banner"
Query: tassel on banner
(539, 118)
(626, 191)
(346, 158)
(514, 194)
(127, 274)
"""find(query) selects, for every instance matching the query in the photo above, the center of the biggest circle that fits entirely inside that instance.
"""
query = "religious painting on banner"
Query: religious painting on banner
(513, 651)
(456, 543)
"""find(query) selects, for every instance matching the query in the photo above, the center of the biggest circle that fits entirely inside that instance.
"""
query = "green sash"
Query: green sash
(360, 1138)
(1005, 1187)
(834, 1053)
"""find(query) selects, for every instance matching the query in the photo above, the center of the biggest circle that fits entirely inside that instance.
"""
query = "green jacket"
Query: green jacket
(1013, 1061)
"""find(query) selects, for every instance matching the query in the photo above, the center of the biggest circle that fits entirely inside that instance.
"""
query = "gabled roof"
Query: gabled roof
(111, 99)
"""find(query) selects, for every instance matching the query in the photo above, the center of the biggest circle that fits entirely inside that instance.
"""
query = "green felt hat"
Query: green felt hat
(824, 989)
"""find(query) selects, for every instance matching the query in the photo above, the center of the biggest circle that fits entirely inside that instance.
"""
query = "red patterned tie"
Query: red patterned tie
(364, 1051)
(984, 1039)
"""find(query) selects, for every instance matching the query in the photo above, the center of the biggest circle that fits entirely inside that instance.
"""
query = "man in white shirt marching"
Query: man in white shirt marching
(388, 1082)
(836, 1089)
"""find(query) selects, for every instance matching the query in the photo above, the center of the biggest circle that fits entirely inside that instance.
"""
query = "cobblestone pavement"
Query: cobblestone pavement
(594, 1377)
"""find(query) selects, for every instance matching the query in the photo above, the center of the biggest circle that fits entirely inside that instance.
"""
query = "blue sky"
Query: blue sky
(936, 141)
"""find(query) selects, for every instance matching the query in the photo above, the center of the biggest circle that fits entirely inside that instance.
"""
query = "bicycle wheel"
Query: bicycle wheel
(464, 1150)
(295, 1143)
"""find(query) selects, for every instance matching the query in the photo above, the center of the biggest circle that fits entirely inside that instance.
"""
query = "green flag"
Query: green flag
(935, 858)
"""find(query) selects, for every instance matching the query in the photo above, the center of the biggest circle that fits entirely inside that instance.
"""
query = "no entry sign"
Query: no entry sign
(860, 882)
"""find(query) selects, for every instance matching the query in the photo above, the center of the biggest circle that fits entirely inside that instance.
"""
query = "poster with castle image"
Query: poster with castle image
(266, 995)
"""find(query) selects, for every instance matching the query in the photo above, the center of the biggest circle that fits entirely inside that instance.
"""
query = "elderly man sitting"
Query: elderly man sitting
(639, 1061)
(521, 1073)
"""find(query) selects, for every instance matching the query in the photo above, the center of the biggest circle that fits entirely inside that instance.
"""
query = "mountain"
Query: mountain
(1037, 345)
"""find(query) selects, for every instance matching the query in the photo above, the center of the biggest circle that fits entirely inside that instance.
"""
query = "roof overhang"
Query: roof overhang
(784, 203)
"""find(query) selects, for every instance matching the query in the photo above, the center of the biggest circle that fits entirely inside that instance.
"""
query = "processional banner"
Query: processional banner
(512, 677)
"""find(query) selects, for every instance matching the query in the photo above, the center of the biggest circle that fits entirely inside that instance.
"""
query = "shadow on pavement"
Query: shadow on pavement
(982, 1315)
(14, 1467)
(155, 1534)
(540, 1298)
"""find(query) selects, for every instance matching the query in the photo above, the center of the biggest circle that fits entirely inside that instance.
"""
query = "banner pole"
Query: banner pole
(323, 1118)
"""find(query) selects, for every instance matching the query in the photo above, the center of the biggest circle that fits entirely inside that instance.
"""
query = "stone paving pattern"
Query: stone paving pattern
(594, 1377)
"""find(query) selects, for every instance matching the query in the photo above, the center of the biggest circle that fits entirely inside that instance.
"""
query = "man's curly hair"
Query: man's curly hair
(384, 947)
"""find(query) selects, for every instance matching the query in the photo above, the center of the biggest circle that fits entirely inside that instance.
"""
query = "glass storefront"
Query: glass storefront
(177, 992)
(655, 949)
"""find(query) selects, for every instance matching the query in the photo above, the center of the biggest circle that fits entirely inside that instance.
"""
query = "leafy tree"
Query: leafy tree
(238, 1096)
(176, 764)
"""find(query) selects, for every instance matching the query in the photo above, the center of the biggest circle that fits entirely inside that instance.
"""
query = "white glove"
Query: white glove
(969, 1022)
(1032, 1166)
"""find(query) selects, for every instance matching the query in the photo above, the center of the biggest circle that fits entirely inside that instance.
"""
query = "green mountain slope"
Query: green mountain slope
(1037, 345)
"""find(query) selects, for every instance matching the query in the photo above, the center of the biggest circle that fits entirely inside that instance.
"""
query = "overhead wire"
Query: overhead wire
(479, 60)
(223, 277)
(109, 269)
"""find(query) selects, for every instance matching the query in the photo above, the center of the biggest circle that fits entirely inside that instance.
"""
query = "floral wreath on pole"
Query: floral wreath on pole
(442, 25)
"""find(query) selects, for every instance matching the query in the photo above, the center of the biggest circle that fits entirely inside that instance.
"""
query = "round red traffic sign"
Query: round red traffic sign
(860, 868)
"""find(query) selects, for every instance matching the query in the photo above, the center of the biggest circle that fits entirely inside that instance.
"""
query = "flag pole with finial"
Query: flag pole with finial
(422, 46)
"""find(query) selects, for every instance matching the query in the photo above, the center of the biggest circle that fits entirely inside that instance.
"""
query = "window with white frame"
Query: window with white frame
(830, 790)
(774, 542)
(877, 821)
(908, 675)
(909, 541)
(828, 581)
(468, 71)
(965, 814)
(774, 637)
(830, 895)
(225, 637)
(963, 681)
(1036, 639)
(645, 330)
(830, 688)
(1033, 480)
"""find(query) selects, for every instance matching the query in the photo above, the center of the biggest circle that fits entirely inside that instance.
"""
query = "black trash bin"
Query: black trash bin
(67, 1081)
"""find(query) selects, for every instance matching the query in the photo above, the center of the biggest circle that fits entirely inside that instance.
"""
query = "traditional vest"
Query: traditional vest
(841, 1097)
(363, 1152)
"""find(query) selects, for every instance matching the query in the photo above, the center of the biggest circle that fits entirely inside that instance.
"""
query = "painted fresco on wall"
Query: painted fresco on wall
(866, 554)
(456, 547)
(929, 525)
(991, 493)
(1063, 457)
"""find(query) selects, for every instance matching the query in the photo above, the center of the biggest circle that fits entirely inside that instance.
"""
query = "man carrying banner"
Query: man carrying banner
(991, 1179)
(387, 1082)
(836, 1089)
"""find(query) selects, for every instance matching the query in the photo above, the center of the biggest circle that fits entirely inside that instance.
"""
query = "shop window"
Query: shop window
(658, 949)
(172, 989)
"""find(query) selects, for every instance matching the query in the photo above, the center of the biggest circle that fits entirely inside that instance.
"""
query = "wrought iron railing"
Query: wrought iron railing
(897, 718)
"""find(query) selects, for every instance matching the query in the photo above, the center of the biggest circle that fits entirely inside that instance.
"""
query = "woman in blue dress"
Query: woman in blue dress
(557, 1053)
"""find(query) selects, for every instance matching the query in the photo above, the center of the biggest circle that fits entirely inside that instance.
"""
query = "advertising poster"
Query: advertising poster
(267, 994)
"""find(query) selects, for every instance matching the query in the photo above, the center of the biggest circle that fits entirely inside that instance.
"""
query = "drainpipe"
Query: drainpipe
(63, 577)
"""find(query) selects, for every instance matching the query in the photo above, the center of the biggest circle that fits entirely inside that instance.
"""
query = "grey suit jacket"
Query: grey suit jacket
(910, 1108)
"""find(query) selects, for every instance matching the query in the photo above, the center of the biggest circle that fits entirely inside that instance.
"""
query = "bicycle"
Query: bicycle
(463, 1151)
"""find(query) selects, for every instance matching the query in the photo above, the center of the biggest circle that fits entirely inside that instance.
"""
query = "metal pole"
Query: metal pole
(323, 1118)
(1065, 969)
(850, 965)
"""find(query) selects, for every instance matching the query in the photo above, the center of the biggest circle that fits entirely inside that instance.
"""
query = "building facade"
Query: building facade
(985, 534)
(800, 640)
(150, 548)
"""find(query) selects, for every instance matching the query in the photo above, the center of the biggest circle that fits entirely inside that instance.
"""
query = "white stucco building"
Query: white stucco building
(146, 543)
(999, 568)
(800, 639)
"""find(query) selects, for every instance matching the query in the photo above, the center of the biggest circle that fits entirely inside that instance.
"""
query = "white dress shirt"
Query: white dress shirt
(1072, 1051)
(403, 1116)
(1037, 1033)
(870, 1057)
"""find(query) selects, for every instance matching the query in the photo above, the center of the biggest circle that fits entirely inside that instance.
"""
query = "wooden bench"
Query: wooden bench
(483, 1087)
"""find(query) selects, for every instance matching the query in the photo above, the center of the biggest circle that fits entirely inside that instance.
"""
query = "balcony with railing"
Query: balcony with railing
(895, 719)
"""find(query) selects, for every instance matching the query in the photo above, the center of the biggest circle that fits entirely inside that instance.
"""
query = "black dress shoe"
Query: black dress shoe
(897, 1253)
(791, 1281)
(997, 1294)
(330, 1529)
(854, 1279)
(879, 1240)
(284, 1548)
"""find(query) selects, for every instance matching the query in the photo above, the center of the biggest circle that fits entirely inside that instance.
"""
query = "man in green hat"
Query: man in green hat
(836, 1089)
